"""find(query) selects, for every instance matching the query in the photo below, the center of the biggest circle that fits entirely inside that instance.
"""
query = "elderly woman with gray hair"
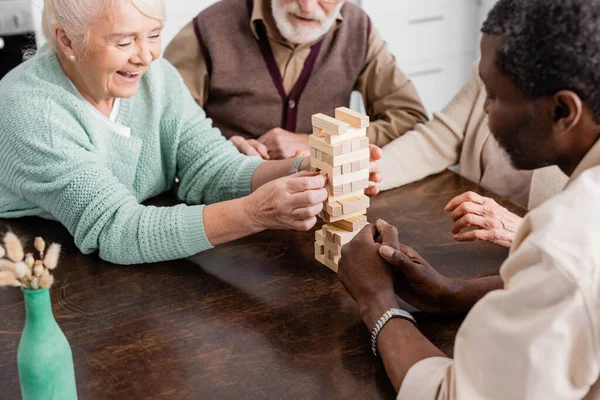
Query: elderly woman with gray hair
(94, 124)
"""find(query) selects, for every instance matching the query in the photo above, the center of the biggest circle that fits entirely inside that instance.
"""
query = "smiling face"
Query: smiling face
(121, 48)
(522, 126)
(304, 21)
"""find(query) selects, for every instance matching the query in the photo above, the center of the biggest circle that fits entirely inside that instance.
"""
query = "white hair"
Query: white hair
(76, 16)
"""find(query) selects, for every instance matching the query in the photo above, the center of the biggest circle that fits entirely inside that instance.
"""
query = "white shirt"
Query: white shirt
(539, 337)
(111, 121)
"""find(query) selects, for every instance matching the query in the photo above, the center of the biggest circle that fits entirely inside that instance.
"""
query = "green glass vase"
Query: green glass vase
(44, 357)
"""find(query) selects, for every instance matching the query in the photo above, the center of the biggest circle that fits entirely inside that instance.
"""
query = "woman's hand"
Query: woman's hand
(496, 224)
(291, 202)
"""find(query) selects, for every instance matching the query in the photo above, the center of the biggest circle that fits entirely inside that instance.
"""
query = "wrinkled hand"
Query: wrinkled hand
(366, 276)
(291, 202)
(250, 147)
(416, 282)
(375, 175)
(282, 144)
(496, 224)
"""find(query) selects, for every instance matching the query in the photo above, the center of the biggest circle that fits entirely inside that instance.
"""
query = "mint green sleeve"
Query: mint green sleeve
(209, 167)
(51, 164)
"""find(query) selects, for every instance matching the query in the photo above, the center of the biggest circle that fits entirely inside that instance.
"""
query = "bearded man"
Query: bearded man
(261, 68)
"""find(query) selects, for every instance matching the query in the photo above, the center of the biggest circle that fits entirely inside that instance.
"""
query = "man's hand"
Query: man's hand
(370, 281)
(416, 282)
(420, 285)
(374, 175)
(282, 144)
(250, 147)
(496, 224)
(366, 276)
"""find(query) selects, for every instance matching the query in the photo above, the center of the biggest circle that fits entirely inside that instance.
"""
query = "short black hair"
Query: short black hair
(549, 46)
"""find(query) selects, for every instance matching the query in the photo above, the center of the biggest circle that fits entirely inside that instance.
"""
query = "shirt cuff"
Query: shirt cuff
(424, 379)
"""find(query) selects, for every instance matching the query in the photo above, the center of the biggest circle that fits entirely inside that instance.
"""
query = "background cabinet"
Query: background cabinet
(435, 42)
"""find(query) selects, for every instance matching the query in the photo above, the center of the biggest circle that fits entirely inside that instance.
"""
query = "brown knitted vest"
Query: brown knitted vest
(246, 89)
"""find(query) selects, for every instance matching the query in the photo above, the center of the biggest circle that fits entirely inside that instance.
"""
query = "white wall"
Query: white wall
(37, 6)
(179, 14)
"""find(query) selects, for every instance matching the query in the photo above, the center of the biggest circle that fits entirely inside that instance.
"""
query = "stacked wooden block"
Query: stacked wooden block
(340, 150)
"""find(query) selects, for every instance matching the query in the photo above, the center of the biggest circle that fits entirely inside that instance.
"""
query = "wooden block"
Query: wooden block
(340, 191)
(336, 178)
(318, 143)
(352, 117)
(347, 147)
(329, 219)
(318, 132)
(351, 133)
(332, 199)
(335, 150)
(335, 258)
(347, 168)
(313, 152)
(330, 170)
(337, 235)
(364, 143)
(353, 204)
(352, 224)
(348, 158)
(330, 125)
(327, 262)
(356, 145)
(334, 209)
(320, 236)
(347, 205)
(332, 248)
(364, 164)
(355, 166)
(360, 185)
(361, 155)
(334, 191)
(319, 249)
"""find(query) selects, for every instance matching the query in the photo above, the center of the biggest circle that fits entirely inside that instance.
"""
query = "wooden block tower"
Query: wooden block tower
(340, 150)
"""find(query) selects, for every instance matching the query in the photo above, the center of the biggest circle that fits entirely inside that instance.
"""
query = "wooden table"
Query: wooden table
(255, 319)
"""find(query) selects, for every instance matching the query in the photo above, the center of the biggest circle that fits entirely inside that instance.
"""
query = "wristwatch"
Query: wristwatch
(389, 314)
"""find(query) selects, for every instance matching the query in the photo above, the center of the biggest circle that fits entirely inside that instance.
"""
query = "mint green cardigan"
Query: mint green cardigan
(61, 162)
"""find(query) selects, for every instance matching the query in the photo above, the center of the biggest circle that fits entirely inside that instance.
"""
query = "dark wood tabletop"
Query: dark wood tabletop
(258, 318)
